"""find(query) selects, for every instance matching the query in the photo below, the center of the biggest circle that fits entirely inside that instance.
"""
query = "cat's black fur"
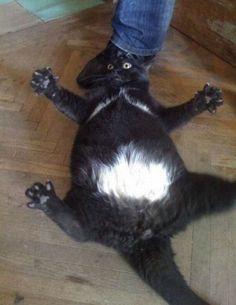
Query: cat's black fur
(138, 229)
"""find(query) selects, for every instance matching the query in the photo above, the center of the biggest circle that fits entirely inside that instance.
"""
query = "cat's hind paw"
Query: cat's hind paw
(44, 81)
(40, 195)
(210, 98)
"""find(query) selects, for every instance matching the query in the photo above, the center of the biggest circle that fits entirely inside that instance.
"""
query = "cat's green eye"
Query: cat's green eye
(127, 65)
(110, 67)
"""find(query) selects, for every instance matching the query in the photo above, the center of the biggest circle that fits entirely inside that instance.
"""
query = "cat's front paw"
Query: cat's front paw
(208, 99)
(44, 82)
(40, 195)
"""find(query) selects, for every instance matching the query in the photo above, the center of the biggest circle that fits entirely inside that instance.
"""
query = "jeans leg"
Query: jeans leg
(140, 26)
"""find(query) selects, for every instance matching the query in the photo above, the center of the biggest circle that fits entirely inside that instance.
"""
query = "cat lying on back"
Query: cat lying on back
(130, 189)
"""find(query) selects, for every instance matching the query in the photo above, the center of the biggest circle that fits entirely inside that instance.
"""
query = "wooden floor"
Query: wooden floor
(39, 265)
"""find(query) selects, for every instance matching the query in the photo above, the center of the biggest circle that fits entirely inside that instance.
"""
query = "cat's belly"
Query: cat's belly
(133, 174)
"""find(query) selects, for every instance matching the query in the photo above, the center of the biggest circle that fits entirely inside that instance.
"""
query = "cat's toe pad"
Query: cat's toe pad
(43, 81)
(40, 195)
(209, 98)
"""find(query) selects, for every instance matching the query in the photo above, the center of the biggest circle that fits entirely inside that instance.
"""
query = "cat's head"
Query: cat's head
(116, 72)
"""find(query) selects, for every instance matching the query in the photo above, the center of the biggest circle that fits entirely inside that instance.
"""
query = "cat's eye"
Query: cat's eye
(110, 67)
(127, 65)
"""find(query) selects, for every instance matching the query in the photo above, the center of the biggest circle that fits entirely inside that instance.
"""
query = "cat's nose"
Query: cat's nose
(116, 80)
(115, 72)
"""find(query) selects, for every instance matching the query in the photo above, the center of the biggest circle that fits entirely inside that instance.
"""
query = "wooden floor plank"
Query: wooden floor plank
(13, 18)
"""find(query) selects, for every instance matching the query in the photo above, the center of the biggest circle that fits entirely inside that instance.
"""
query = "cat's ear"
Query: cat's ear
(148, 63)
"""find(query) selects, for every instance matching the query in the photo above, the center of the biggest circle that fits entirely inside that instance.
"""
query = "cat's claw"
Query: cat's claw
(40, 195)
(44, 81)
(209, 98)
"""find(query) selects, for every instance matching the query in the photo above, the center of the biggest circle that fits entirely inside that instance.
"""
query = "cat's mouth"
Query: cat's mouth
(116, 79)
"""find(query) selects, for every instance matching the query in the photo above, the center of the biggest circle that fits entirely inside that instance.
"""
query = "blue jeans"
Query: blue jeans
(140, 26)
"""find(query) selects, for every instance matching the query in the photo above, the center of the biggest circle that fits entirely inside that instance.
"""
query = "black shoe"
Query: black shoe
(95, 67)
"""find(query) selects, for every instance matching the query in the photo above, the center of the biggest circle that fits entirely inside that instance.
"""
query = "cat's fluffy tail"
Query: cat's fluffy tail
(153, 260)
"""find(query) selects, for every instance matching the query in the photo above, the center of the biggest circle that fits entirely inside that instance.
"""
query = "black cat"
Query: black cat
(130, 188)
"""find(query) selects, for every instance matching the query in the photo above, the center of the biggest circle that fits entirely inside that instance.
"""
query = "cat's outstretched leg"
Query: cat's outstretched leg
(43, 197)
(195, 195)
(203, 194)
(44, 82)
(207, 99)
(153, 260)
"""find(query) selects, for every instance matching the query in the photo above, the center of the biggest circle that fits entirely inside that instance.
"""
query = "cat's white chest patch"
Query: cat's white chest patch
(135, 103)
(132, 175)
(99, 107)
(128, 99)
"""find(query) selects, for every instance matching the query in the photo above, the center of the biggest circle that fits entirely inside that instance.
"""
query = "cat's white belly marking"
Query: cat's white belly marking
(132, 175)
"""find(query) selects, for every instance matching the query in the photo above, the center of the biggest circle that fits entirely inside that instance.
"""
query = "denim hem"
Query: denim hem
(136, 51)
